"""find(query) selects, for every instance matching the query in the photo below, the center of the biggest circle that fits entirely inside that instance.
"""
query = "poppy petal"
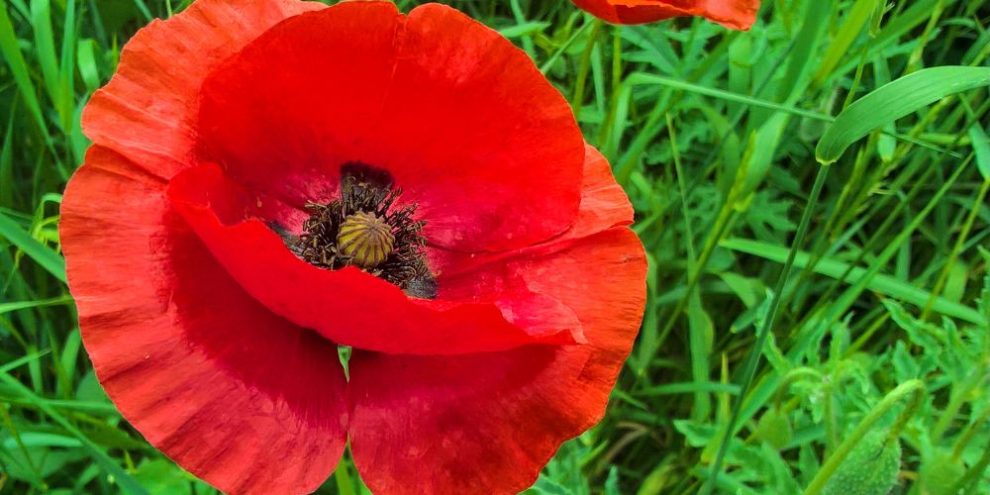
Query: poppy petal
(236, 395)
(733, 14)
(351, 307)
(487, 423)
(147, 111)
(604, 205)
(464, 121)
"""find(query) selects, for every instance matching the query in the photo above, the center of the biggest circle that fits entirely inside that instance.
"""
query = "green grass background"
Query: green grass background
(878, 330)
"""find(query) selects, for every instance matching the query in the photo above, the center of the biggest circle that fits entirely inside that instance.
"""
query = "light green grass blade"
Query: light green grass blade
(859, 14)
(86, 60)
(8, 307)
(893, 101)
(18, 68)
(981, 148)
(126, 481)
(647, 79)
(48, 259)
(883, 284)
(44, 48)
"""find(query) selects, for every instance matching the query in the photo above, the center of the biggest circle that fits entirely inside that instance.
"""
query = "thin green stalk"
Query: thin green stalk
(753, 359)
(793, 376)
(520, 17)
(841, 305)
(698, 348)
(971, 480)
(545, 67)
(957, 248)
(584, 65)
(961, 394)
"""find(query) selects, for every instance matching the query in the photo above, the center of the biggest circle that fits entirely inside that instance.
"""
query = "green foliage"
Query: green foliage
(895, 100)
(882, 325)
(940, 471)
(775, 428)
(870, 469)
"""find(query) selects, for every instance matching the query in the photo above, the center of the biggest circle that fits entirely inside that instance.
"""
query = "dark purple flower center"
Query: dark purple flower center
(366, 229)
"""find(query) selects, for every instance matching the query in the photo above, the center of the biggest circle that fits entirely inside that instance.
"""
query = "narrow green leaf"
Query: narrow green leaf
(525, 29)
(44, 47)
(21, 361)
(7, 164)
(893, 101)
(642, 78)
(690, 388)
(67, 66)
(806, 45)
(126, 481)
(884, 284)
(18, 68)
(86, 60)
(838, 48)
(981, 148)
(42, 439)
(48, 259)
(70, 354)
(8, 307)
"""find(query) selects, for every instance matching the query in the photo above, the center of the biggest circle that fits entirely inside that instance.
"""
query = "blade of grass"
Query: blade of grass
(18, 69)
(8, 307)
(48, 259)
(894, 100)
(640, 78)
(883, 284)
(753, 359)
(126, 481)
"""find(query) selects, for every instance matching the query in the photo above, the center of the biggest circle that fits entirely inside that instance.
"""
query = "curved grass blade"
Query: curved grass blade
(893, 101)
(48, 259)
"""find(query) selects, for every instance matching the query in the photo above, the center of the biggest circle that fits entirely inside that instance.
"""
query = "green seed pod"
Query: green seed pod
(939, 472)
(365, 239)
(774, 428)
(870, 469)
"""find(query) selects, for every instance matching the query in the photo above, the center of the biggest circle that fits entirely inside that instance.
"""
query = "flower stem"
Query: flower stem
(753, 360)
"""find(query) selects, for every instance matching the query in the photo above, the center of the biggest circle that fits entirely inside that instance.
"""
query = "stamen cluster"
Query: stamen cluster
(365, 228)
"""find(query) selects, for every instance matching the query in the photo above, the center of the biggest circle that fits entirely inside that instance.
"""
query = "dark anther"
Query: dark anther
(364, 228)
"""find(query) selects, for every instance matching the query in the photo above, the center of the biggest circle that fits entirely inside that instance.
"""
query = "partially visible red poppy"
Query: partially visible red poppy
(270, 180)
(734, 14)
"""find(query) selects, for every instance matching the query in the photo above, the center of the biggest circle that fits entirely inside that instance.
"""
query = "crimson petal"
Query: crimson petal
(239, 397)
(462, 120)
(487, 423)
(147, 111)
(733, 14)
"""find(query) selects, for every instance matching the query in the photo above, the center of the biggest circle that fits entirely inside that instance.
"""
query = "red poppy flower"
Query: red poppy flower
(270, 180)
(734, 14)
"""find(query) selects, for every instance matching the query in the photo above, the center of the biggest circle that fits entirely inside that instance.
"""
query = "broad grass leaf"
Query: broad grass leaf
(894, 100)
